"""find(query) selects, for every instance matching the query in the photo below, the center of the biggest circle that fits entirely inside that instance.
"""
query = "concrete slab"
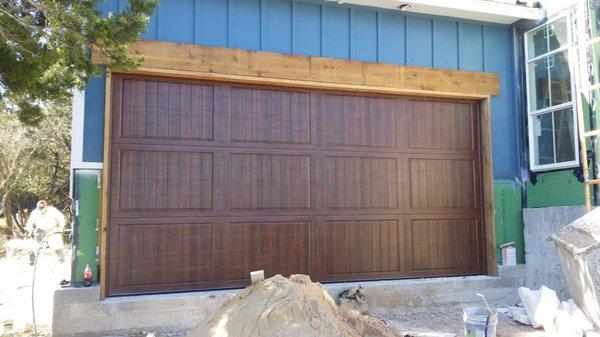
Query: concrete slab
(543, 266)
(78, 312)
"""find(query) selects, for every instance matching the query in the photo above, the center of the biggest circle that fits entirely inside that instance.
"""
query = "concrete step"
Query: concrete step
(78, 312)
(392, 297)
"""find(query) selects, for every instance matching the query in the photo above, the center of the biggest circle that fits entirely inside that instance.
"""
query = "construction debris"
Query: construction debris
(574, 243)
(257, 276)
(519, 314)
(354, 298)
(288, 307)
(541, 305)
(542, 309)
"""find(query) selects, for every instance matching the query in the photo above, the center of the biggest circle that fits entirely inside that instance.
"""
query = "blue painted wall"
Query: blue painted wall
(338, 31)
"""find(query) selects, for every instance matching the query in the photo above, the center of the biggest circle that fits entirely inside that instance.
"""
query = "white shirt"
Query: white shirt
(48, 220)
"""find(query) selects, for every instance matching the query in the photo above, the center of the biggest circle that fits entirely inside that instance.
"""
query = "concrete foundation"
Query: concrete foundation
(543, 266)
(78, 312)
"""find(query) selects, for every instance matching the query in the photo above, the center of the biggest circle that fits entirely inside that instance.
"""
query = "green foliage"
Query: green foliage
(47, 173)
(34, 164)
(45, 47)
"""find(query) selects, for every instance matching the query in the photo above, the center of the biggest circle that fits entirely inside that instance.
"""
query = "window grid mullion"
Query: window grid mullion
(555, 51)
(561, 106)
(553, 138)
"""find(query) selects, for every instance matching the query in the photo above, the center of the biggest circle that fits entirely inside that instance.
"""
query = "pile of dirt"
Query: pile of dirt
(288, 308)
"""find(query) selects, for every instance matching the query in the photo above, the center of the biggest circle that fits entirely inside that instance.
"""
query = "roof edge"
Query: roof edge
(478, 10)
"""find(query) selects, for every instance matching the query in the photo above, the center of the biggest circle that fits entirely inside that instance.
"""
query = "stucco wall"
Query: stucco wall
(543, 266)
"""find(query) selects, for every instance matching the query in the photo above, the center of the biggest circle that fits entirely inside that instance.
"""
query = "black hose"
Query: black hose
(44, 240)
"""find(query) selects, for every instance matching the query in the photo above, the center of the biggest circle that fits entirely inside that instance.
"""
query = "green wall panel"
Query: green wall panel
(509, 217)
(560, 188)
(87, 193)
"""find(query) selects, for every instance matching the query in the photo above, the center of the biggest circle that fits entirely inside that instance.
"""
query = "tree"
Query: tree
(45, 47)
(34, 163)
(18, 143)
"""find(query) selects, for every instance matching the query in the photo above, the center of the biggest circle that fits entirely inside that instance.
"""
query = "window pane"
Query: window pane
(564, 135)
(558, 35)
(543, 144)
(594, 55)
(547, 38)
(539, 94)
(554, 137)
(537, 43)
(560, 78)
(594, 10)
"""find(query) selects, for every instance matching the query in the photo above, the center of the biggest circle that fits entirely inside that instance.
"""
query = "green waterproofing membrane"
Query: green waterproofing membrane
(509, 217)
(86, 193)
(560, 188)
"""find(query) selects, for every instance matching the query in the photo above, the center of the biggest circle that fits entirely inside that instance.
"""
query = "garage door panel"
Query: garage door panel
(360, 248)
(269, 181)
(361, 182)
(270, 116)
(445, 244)
(359, 121)
(166, 110)
(442, 184)
(164, 180)
(275, 247)
(440, 125)
(162, 254)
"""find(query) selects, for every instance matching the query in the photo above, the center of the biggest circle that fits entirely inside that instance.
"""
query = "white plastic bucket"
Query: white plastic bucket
(479, 322)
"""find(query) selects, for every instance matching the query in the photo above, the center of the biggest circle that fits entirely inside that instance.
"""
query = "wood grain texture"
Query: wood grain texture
(310, 70)
(489, 213)
(288, 180)
(105, 189)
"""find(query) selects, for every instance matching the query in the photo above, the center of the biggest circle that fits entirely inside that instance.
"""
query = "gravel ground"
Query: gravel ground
(447, 322)
(15, 291)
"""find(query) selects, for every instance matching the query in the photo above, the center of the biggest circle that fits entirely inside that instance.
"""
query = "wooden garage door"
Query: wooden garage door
(209, 181)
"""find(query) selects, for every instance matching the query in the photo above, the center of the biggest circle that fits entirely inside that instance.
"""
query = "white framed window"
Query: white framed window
(551, 110)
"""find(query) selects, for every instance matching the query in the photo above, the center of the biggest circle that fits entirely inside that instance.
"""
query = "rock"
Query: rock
(351, 304)
(541, 306)
(519, 314)
(355, 299)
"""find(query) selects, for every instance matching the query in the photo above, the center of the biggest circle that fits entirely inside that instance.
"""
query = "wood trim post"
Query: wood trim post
(488, 187)
(105, 183)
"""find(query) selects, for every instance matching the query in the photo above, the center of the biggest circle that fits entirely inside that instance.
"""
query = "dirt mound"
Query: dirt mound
(288, 308)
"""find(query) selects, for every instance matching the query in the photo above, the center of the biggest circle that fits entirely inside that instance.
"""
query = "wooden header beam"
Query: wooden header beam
(257, 67)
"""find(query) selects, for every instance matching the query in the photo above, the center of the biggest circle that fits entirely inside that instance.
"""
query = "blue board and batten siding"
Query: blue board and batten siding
(336, 31)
